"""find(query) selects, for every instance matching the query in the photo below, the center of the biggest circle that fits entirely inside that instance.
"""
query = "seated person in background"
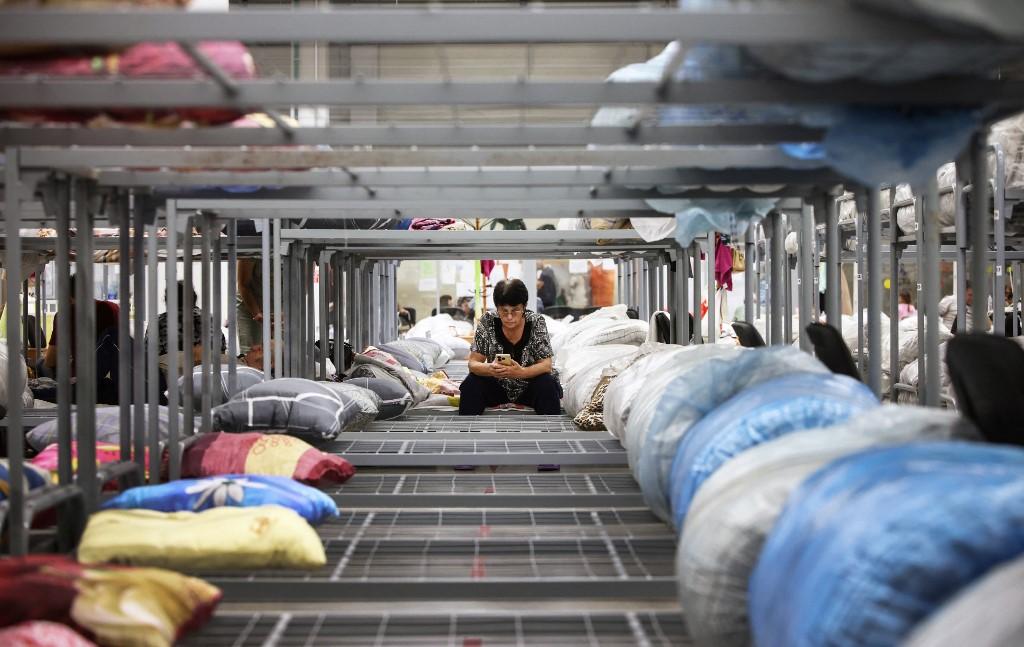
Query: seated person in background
(906, 306)
(107, 351)
(196, 329)
(446, 302)
(528, 378)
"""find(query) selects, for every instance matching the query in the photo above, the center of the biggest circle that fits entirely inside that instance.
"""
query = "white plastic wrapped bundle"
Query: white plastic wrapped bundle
(1009, 134)
(582, 372)
(605, 326)
(26, 395)
(906, 217)
(850, 335)
(737, 507)
(631, 385)
(792, 243)
(910, 376)
(654, 229)
(987, 614)
(707, 382)
(909, 343)
(440, 326)
(432, 352)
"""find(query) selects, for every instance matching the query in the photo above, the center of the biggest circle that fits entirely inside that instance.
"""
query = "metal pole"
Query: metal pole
(324, 278)
(173, 364)
(278, 313)
(216, 293)
(68, 529)
(963, 178)
(139, 345)
(862, 215)
(778, 278)
(979, 231)
(1000, 214)
(339, 312)
(683, 287)
(930, 269)
(265, 305)
(152, 353)
(698, 333)
(206, 379)
(188, 342)
(124, 339)
(787, 321)
(805, 281)
(310, 354)
(232, 310)
(712, 291)
(656, 285)
(874, 245)
(921, 253)
(85, 347)
(17, 527)
(749, 281)
(895, 252)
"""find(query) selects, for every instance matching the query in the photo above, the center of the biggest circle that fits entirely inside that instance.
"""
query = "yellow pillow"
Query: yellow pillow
(217, 539)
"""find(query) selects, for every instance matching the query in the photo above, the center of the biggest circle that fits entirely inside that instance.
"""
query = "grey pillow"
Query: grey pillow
(302, 408)
(108, 427)
(394, 397)
(405, 358)
(366, 366)
(369, 403)
(246, 377)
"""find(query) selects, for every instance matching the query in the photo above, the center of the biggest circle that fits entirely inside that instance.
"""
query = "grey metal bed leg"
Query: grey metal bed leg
(85, 350)
(874, 245)
(698, 333)
(862, 215)
(124, 340)
(806, 278)
(310, 352)
(64, 318)
(232, 282)
(188, 401)
(712, 292)
(216, 316)
(683, 287)
(895, 252)
(17, 526)
(152, 352)
(930, 268)
(339, 339)
(919, 243)
(205, 379)
(267, 274)
(749, 281)
(778, 278)
(278, 365)
(171, 277)
(979, 231)
(999, 216)
(38, 305)
(787, 320)
(656, 285)
(139, 344)
(963, 178)
(324, 279)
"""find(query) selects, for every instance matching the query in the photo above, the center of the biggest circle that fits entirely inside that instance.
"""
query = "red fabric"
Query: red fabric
(38, 633)
(107, 314)
(37, 587)
(145, 60)
(602, 286)
(215, 454)
(486, 267)
(723, 265)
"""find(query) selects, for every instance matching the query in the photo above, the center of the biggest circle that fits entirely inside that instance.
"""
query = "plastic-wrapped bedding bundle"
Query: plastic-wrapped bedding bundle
(755, 416)
(987, 614)
(598, 318)
(692, 394)
(26, 395)
(737, 507)
(581, 372)
(911, 377)
(435, 354)
(875, 542)
(626, 389)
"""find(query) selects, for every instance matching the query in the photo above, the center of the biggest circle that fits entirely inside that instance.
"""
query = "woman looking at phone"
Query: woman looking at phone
(510, 360)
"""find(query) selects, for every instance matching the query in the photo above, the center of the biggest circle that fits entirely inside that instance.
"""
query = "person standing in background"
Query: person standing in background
(906, 308)
(249, 304)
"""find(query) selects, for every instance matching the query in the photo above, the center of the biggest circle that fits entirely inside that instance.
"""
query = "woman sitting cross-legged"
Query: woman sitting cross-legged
(527, 377)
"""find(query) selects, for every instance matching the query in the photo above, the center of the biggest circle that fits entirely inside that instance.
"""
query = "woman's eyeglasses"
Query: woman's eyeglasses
(509, 313)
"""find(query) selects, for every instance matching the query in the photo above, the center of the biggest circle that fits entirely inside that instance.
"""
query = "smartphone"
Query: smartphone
(503, 358)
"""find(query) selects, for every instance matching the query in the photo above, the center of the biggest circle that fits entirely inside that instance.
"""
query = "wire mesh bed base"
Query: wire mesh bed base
(429, 453)
(433, 422)
(461, 630)
(438, 524)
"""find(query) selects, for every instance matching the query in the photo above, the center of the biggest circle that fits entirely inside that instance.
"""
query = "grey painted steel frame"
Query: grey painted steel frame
(777, 258)
(930, 303)
(808, 249)
(18, 531)
(173, 364)
(979, 231)
(698, 332)
(152, 352)
(85, 349)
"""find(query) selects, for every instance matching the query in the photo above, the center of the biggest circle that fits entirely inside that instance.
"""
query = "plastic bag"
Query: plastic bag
(755, 416)
(630, 385)
(736, 508)
(873, 543)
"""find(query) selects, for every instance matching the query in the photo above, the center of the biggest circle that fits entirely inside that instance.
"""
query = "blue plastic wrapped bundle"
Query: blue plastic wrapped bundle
(873, 543)
(230, 490)
(693, 394)
(757, 415)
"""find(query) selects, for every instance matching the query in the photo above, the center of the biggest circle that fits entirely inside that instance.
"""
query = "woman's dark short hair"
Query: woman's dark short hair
(512, 292)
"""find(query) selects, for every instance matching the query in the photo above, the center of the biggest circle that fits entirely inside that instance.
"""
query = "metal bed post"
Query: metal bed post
(206, 379)
(749, 281)
(895, 253)
(311, 297)
(833, 265)
(930, 269)
(350, 303)
(619, 274)
(920, 245)
(336, 293)
(373, 303)
(999, 215)
(139, 345)
(805, 281)
(17, 527)
(188, 343)
(624, 294)
(297, 340)
(324, 278)
(713, 333)
(979, 231)
(85, 346)
(171, 276)
(963, 178)
(648, 278)
(232, 283)
(672, 295)
(216, 316)
(152, 342)
(861, 226)
(38, 311)
(874, 284)
(787, 320)
(656, 285)
(698, 333)
(267, 274)
(778, 277)
(683, 294)
(278, 312)
(124, 339)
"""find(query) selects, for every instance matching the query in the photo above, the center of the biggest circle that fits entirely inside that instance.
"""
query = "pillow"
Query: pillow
(303, 408)
(457, 346)
(758, 415)
(367, 401)
(234, 490)
(395, 399)
(246, 377)
(386, 365)
(407, 357)
(736, 508)
(269, 454)
(108, 427)
(267, 536)
(39, 633)
(33, 479)
(435, 354)
(870, 545)
(119, 606)
(105, 453)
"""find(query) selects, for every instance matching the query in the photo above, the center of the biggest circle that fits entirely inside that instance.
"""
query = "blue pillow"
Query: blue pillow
(234, 490)
(34, 478)
(872, 544)
(754, 416)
